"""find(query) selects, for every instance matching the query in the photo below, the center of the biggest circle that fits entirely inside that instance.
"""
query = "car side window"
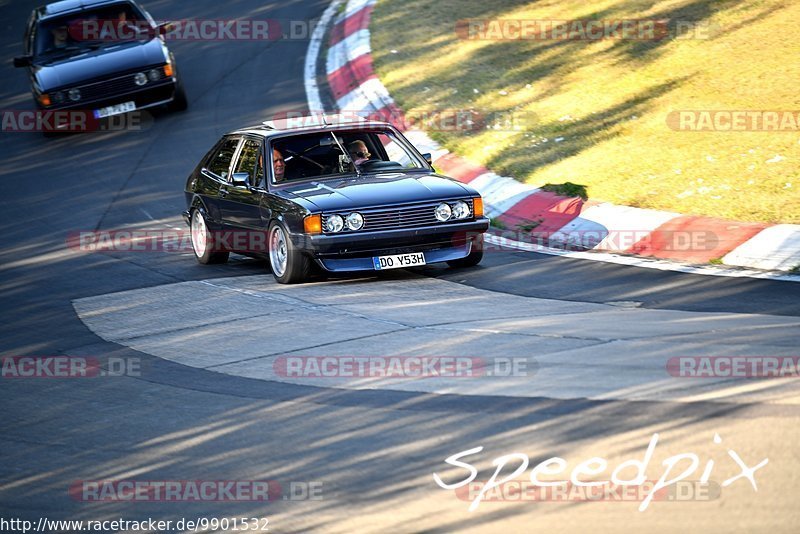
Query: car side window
(220, 162)
(251, 162)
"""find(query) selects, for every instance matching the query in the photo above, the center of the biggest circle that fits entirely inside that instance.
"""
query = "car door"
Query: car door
(216, 173)
(240, 202)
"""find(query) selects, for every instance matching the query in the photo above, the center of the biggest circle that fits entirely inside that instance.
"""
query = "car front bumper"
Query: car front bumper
(354, 251)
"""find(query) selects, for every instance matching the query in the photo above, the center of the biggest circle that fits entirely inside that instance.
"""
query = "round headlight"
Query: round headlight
(355, 221)
(58, 97)
(334, 223)
(443, 212)
(154, 74)
(140, 78)
(74, 94)
(460, 210)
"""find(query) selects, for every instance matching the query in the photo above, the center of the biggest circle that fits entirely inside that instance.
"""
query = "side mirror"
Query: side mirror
(240, 179)
(428, 158)
(22, 61)
(165, 27)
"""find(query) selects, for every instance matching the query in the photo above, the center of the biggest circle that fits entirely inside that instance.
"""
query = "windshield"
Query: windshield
(89, 29)
(317, 155)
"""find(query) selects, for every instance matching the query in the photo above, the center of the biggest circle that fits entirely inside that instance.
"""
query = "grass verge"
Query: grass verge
(595, 112)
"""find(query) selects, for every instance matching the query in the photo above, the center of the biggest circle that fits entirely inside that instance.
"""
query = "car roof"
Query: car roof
(310, 124)
(66, 6)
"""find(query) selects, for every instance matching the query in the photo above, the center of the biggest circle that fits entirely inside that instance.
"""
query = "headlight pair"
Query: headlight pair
(336, 223)
(457, 210)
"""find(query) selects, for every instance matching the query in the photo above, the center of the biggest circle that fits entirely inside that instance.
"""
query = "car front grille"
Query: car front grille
(404, 216)
(117, 85)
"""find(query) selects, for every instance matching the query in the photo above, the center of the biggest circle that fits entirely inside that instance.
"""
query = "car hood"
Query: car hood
(98, 63)
(379, 190)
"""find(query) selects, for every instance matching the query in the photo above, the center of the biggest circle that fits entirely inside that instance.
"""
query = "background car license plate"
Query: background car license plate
(114, 110)
(398, 261)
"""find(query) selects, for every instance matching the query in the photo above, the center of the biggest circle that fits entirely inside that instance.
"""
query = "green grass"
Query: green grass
(567, 189)
(595, 113)
(715, 261)
(497, 223)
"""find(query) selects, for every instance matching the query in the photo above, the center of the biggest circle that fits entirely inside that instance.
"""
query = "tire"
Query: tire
(288, 265)
(201, 245)
(474, 258)
(179, 101)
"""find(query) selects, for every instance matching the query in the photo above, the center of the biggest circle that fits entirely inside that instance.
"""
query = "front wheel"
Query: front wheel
(475, 255)
(203, 242)
(179, 101)
(288, 264)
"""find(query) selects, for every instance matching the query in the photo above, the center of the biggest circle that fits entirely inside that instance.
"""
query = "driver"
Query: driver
(358, 152)
(60, 36)
(278, 165)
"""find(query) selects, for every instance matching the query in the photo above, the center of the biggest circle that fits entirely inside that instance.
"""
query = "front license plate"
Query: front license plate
(116, 109)
(398, 261)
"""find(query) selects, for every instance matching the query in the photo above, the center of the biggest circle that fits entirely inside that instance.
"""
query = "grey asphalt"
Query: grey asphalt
(373, 450)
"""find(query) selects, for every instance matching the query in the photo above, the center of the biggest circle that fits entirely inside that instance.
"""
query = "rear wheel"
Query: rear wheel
(475, 255)
(203, 242)
(288, 264)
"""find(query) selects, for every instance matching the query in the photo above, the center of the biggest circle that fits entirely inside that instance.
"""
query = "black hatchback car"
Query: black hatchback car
(104, 56)
(341, 195)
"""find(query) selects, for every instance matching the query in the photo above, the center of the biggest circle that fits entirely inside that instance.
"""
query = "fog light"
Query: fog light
(443, 212)
(140, 78)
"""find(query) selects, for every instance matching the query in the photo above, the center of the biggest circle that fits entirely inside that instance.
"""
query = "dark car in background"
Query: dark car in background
(106, 57)
(336, 194)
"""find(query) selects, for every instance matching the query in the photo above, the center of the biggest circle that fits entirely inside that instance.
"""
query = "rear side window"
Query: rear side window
(220, 162)
(251, 162)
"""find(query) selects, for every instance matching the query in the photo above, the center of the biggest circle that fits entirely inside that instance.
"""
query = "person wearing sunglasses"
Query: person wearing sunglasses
(358, 152)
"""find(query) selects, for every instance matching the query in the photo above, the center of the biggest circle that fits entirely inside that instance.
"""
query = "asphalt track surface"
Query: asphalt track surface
(374, 451)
